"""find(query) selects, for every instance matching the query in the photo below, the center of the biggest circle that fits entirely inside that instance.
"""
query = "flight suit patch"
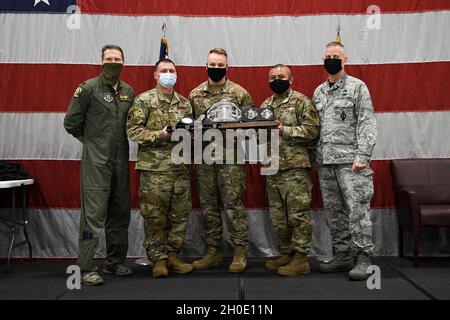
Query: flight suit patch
(108, 97)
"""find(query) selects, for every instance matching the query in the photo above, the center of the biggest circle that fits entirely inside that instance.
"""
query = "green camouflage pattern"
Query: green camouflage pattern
(347, 122)
(165, 204)
(150, 113)
(225, 182)
(346, 198)
(289, 194)
(205, 95)
(217, 181)
(301, 125)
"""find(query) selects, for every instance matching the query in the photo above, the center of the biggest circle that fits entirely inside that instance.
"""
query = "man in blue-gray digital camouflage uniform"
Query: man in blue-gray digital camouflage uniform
(347, 138)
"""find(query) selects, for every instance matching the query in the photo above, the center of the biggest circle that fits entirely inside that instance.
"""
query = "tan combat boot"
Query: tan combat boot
(239, 261)
(298, 265)
(177, 265)
(280, 262)
(160, 269)
(213, 258)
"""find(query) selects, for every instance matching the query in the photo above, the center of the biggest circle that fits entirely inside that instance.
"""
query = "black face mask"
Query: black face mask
(216, 74)
(332, 66)
(279, 86)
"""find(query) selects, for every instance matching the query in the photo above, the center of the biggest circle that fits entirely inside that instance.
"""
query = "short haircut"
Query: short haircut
(334, 44)
(114, 47)
(219, 51)
(163, 60)
(280, 65)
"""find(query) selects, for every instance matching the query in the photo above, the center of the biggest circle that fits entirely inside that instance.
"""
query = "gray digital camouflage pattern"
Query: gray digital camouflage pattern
(346, 197)
(347, 135)
(348, 127)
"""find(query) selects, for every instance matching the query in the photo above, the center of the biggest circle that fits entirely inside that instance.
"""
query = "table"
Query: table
(13, 222)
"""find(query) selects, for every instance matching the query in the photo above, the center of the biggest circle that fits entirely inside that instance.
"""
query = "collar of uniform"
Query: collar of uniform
(341, 82)
(161, 96)
(282, 98)
(103, 81)
(210, 88)
(338, 84)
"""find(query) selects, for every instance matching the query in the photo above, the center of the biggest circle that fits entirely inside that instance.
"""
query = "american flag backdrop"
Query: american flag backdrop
(400, 49)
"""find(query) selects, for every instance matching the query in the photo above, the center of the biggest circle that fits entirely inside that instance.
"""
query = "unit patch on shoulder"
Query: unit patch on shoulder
(78, 92)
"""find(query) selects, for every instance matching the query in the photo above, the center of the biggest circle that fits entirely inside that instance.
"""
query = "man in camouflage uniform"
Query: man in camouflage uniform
(97, 117)
(289, 190)
(165, 198)
(226, 181)
(347, 138)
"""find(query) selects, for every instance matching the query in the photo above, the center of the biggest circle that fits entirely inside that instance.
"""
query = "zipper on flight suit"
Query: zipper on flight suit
(114, 92)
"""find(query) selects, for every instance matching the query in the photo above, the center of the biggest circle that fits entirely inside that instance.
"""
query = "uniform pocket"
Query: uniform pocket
(363, 184)
(344, 111)
(156, 120)
(287, 116)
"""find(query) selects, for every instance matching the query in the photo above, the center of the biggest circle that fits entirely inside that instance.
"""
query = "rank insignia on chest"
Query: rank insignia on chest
(108, 97)
(343, 116)
(124, 98)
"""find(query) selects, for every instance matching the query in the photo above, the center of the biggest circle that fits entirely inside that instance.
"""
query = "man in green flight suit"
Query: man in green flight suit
(97, 117)
(165, 196)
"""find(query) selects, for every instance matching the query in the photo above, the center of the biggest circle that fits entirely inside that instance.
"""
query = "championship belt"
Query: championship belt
(227, 115)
